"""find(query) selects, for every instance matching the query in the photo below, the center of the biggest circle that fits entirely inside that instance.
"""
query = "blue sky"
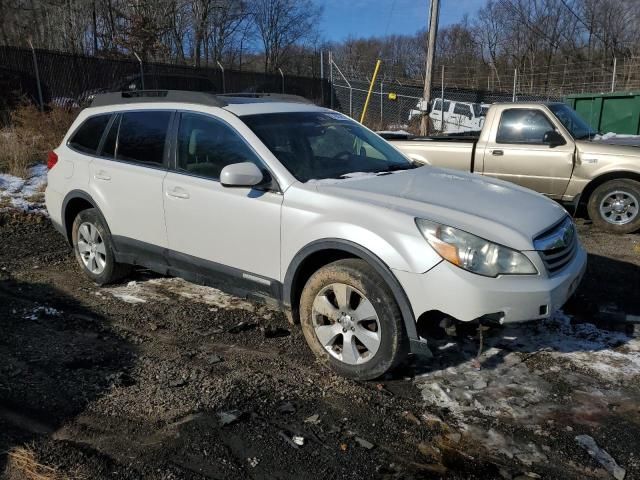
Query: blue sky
(365, 18)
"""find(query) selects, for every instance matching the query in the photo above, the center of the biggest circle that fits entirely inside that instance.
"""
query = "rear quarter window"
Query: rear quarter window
(87, 137)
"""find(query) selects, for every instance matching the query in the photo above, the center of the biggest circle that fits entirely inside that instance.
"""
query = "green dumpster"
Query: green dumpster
(617, 112)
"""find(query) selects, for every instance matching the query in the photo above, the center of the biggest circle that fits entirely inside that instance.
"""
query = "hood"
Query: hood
(498, 211)
(600, 147)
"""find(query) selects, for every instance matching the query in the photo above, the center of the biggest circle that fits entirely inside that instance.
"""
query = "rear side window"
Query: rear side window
(521, 125)
(462, 109)
(87, 137)
(141, 137)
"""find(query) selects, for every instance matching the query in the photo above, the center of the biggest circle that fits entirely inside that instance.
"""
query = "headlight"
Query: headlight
(473, 253)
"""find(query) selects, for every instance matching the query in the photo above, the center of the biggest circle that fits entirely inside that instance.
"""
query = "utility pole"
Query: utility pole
(431, 51)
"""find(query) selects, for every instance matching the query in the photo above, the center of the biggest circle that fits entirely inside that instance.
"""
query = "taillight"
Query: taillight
(52, 159)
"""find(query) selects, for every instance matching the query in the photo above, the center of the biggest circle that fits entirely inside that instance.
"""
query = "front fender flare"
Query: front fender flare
(359, 251)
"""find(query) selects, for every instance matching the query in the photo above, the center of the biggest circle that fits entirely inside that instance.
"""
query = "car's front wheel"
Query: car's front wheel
(93, 248)
(615, 206)
(350, 317)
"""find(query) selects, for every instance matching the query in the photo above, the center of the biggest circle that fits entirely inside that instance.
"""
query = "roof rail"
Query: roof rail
(275, 97)
(145, 96)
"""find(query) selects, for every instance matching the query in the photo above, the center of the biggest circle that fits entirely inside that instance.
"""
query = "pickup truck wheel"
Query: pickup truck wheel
(615, 206)
(350, 318)
(93, 248)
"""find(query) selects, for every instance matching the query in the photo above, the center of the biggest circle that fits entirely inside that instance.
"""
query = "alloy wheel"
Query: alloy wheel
(346, 324)
(91, 248)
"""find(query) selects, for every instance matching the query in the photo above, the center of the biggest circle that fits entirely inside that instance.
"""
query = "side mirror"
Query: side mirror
(553, 139)
(244, 174)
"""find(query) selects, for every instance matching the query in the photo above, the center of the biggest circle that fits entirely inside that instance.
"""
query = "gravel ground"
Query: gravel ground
(158, 378)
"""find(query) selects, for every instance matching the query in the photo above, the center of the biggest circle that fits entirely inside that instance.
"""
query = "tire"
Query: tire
(379, 322)
(93, 248)
(621, 217)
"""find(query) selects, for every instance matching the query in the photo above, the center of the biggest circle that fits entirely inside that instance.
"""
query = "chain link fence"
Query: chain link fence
(64, 79)
(396, 103)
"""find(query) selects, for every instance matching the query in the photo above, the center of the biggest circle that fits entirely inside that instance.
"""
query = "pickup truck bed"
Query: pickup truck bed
(456, 152)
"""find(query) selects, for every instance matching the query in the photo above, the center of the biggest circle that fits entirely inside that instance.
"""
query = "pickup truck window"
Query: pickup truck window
(462, 109)
(522, 125)
(438, 102)
(206, 146)
(322, 144)
(578, 128)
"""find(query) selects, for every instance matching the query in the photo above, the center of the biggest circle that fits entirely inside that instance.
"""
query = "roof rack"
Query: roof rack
(144, 96)
(274, 97)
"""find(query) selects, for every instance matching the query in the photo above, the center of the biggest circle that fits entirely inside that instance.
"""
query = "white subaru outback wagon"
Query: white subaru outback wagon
(284, 200)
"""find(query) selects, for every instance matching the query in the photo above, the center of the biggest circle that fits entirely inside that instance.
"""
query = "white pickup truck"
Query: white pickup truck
(454, 117)
(547, 148)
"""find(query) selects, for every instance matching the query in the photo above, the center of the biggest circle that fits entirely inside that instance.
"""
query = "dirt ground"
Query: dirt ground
(156, 378)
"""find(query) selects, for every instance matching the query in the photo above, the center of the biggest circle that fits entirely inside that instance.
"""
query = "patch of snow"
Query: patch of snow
(166, 289)
(602, 457)
(125, 297)
(521, 366)
(20, 190)
(40, 311)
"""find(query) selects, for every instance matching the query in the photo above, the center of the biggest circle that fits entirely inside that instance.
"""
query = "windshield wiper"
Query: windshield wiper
(396, 168)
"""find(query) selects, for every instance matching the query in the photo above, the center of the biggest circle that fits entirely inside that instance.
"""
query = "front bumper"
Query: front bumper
(508, 298)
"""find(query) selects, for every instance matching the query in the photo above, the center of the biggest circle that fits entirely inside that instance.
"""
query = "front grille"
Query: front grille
(557, 246)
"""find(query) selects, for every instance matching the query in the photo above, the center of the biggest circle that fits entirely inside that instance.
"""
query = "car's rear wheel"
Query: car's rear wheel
(93, 248)
(350, 318)
(614, 206)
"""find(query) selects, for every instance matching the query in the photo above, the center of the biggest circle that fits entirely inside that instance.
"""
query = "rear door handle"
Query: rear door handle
(497, 153)
(178, 192)
(102, 175)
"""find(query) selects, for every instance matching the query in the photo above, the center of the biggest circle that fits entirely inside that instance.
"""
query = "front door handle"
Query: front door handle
(102, 175)
(497, 153)
(178, 193)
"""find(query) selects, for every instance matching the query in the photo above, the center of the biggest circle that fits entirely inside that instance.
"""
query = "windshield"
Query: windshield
(319, 145)
(578, 128)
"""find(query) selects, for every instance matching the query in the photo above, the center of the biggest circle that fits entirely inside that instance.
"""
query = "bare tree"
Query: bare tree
(281, 24)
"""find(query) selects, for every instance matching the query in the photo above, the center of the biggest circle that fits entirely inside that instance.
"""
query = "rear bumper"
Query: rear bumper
(509, 298)
(53, 201)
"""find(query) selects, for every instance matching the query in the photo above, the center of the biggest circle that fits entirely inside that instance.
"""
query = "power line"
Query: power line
(579, 18)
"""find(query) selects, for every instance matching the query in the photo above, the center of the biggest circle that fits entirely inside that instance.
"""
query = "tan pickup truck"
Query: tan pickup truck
(547, 148)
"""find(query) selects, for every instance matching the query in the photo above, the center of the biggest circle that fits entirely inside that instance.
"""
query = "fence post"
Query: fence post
(37, 72)
(282, 75)
(322, 78)
(363, 115)
(224, 88)
(331, 77)
(141, 69)
(515, 78)
(442, 102)
(381, 101)
(613, 78)
(348, 84)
